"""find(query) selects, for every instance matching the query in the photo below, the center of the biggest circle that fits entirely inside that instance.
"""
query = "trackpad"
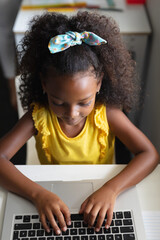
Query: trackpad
(73, 194)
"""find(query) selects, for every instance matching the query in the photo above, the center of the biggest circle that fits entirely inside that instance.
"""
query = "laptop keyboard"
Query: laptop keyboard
(29, 227)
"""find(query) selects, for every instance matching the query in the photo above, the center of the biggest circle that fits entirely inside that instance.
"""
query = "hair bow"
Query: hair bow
(64, 41)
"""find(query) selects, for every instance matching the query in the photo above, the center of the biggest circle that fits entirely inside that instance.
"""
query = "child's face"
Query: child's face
(72, 97)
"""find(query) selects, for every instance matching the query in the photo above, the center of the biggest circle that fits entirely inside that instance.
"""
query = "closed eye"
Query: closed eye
(85, 104)
(57, 104)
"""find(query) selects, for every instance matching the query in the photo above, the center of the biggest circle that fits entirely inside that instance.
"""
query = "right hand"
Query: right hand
(49, 206)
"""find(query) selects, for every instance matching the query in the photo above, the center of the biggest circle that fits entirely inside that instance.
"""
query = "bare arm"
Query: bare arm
(47, 203)
(146, 157)
(145, 160)
(10, 177)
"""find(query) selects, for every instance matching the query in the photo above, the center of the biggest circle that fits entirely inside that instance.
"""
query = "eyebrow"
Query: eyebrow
(79, 100)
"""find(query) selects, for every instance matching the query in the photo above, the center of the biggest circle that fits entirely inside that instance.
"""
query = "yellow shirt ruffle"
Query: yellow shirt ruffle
(94, 144)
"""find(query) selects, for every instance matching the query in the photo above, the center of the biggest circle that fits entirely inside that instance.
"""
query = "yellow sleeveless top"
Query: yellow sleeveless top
(93, 145)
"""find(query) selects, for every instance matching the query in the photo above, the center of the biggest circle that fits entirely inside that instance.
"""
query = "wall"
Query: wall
(150, 117)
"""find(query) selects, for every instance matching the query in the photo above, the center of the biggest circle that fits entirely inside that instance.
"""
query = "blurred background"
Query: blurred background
(139, 22)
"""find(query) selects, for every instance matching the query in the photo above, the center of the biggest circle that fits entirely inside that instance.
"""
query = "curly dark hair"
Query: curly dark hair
(112, 59)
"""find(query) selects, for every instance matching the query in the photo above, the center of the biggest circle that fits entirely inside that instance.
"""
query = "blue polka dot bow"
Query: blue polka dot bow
(69, 39)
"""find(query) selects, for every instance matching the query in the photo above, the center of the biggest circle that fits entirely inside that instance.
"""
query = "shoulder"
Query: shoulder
(132, 137)
(120, 124)
(18, 135)
(26, 122)
(115, 116)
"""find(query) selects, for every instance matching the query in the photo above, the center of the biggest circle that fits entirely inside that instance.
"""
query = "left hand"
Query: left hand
(97, 205)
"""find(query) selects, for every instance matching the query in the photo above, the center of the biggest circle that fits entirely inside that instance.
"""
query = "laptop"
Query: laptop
(21, 220)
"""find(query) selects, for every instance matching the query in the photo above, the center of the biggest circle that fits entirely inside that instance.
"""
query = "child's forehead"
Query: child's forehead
(72, 79)
(56, 75)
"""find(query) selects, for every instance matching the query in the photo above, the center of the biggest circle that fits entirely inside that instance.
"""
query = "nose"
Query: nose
(72, 112)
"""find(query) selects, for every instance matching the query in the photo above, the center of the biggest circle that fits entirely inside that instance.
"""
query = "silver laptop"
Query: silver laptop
(21, 220)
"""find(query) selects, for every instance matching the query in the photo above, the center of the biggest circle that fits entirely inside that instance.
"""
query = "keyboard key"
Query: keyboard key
(77, 224)
(73, 231)
(31, 233)
(84, 237)
(48, 233)
(35, 216)
(101, 237)
(65, 233)
(129, 236)
(21, 226)
(26, 218)
(67, 238)
(23, 233)
(36, 225)
(58, 238)
(126, 229)
(75, 217)
(14, 238)
(127, 222)
(40, 232)
(93, 237)
(127, 214)
(85, 224)
(105, 230)
(82, 231)
(48, 238)
(109, 237)
(70, 226)
(18, 217)
(15, 234)
(90, 230)
(118, 222)
(41, 238)
(115, 230)
(119, 215)
(76, 238)
(118, 237)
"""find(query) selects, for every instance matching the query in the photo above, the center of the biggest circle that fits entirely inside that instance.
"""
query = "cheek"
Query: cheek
(88, 110)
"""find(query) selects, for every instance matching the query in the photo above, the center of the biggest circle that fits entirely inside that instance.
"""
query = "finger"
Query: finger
(44, 222)
(53, 223)
(61, 221)
(86, 212)
(67, 215)
(109, 217)
(83, 206)
(100, 219)
(92, 216)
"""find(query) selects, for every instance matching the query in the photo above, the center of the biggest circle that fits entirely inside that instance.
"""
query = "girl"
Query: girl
(76, 77)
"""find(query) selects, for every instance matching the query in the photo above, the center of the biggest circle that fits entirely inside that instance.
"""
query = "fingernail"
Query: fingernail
(107, 226)
(64, 229)
(69, 223)
(97, 229)
(48, 230)
(58, 232)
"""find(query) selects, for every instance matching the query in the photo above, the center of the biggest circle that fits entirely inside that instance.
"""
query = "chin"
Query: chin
(71, 122)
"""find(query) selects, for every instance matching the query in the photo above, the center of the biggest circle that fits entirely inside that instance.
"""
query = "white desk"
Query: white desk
(148, 189)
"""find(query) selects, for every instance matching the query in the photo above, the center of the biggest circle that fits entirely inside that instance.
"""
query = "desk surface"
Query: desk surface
(148, 189)
(132, 20)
